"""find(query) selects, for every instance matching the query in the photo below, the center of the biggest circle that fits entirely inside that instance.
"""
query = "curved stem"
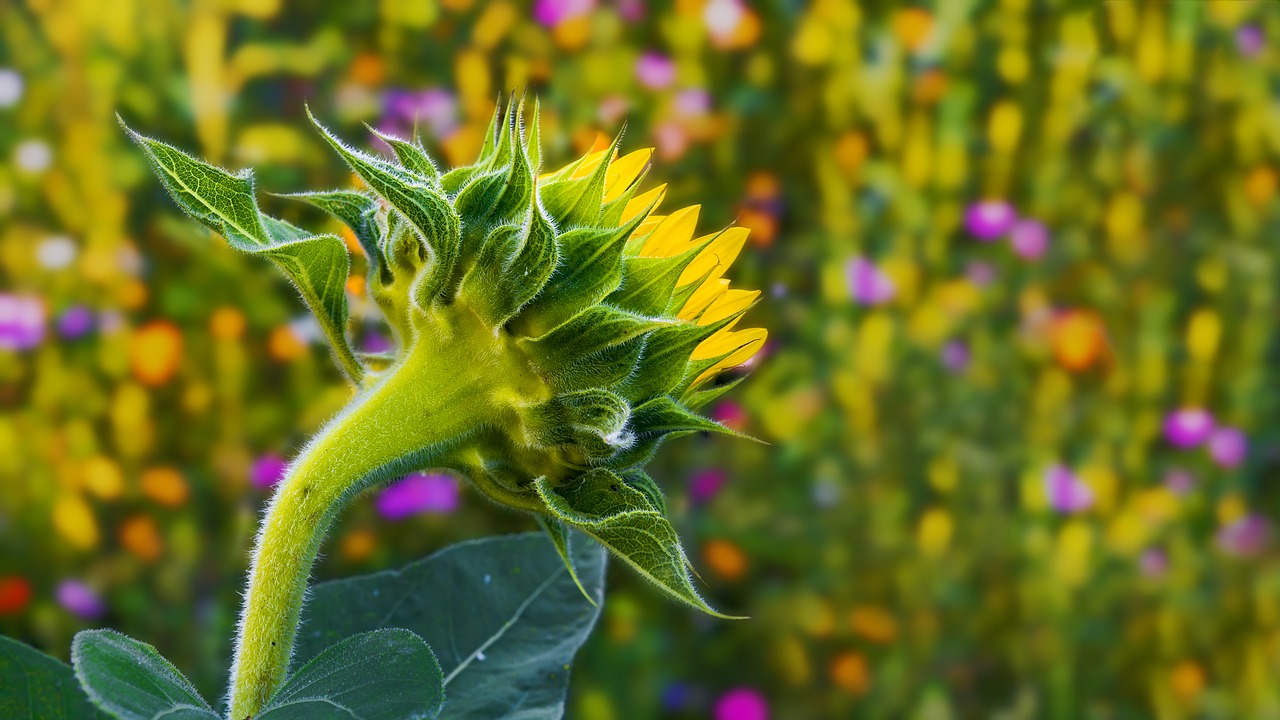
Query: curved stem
(366, 444)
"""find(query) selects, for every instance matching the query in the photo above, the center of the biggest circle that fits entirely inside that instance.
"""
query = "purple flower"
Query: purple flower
(436, 108)
(692, 103)
(655, 71)
(1249, 40)
(1188, 427)
(1154, 562)
(1030, 239)
(375, 342)
(990, 219)
(742, 704)
(867, 283)
(980, 273)
(267, 470)
(553, 12)
(418, 493)
(21, 322)
(706, 484)
(631, 10)
(1066, 492)
(1246, 536)
(80, 599)
(675, 696)
(1179, 481)
(730, 414)
(75, 322)
(955, 356)
(1228, 446)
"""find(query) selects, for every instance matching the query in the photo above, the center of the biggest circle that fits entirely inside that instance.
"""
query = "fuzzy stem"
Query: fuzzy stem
(366, 444)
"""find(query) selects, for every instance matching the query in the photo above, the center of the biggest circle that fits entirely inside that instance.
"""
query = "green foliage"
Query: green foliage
(316, 264)
(129, 680)
(34, 686)
(385, 674)
(503, 614)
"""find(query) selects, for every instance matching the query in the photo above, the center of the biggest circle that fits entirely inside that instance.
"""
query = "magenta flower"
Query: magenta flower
(706, 484)
(434, 109)
(22, 322)
(80, 599)
(1245, 537)
(742, 704)
(1154, 562)
(990, 219)
(1030, 239)
(980, 273)
(1188, 427)
(553, 12)
(631, 10)
(267, 470)
(1067, 493)
(1228, 446)
(655, 71)
(692, 103)
(75, 322)
(730, 414)
(1250, 40)
(955, 356)
(867, 283)
(1179, 481)
(418, 493)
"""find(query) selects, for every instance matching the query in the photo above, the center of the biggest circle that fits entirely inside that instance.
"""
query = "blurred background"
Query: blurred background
(1019, 262)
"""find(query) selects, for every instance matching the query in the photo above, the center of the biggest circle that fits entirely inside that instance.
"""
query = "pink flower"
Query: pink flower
(722, 17)
(1246, 536)
(1066, 492)
(742, 704)
(267, 470)
(1228, 446)
(553, 12)
(1188, 427)
(418, 493)
(80, 599)
(867, 283)
(1179, 481)
(22, 322)
(990, 219)
(1154, 563)
(1030, 239)
(706, 484)
(730, 414)
(655, 71)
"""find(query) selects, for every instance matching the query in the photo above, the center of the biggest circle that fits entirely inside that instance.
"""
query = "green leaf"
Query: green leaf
(410, 154)
(387, 674)
(591, 420)
(317, 265)
(559, 535)
(130, 680)
(35, 686)
(664, 362)
(533, 264)
(621, 518)
(648, 283)
(653, 422)
(641, 481)
(590, 269)
(356, 210)
(427, 211)
(577, 202)
(503, 615)
(596, 348)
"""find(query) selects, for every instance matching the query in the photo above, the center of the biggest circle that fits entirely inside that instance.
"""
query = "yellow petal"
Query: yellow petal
(728, 304)
(719, 255)
(623, 172)
(739, 345)
(702, 297)
(638, 205)
(648, 225)
(675, 231)
(588, 164)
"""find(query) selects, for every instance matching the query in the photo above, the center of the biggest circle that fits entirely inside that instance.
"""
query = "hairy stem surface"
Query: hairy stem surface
(382, 435)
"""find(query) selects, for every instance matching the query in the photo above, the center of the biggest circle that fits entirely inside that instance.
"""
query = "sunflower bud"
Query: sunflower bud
(552, 329)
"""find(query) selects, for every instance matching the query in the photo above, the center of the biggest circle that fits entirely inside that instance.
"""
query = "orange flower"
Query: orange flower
(155, 350)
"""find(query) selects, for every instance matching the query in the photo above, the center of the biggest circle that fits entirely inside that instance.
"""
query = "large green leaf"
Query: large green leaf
(130, 680)
(624, 519)
(34, 686)
(502, 614)
(387, 674)
(317, 265)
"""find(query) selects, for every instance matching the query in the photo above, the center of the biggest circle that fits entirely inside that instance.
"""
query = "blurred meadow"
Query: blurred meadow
(1020, 390)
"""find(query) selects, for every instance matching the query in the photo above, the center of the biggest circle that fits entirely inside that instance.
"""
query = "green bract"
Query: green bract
(551, 333)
